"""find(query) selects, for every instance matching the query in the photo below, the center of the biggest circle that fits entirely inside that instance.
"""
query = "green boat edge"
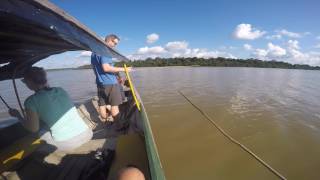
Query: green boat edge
(155, 165)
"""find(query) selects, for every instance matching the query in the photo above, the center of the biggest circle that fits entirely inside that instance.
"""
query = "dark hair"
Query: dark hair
(111, 37)
(36, 74)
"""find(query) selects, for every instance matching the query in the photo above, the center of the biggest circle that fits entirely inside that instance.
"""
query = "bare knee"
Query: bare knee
(114, 110)
(103, 112)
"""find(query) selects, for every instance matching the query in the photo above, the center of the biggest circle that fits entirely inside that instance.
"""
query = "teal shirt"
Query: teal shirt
(55, 108)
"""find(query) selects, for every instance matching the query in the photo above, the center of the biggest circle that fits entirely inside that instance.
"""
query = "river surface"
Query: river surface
(273, 112)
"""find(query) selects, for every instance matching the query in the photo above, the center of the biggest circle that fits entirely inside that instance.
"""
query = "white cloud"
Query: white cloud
(275, 36)
(275, 51)
(272, 52)
(296, 56)
(313, 58)
(151, 50)
(293, 44)
(176, 45)
(285, 32)
(204, 53)
(290, 54)
(69, 59)
(85, 54)
(247, 47)
(260, 53)
(318, 38)
(245, 31)
(176, 49)
(226, 48)
(293, 52)
(151, 38)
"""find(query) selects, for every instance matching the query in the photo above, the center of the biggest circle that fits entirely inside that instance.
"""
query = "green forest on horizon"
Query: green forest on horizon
(215, 62)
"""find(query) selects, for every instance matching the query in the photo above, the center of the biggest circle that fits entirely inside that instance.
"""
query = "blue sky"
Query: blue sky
(283, 30)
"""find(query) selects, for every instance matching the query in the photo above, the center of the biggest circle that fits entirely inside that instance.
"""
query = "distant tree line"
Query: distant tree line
(216, 62)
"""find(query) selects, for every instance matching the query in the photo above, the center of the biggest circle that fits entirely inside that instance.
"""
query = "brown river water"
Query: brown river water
(273, 112)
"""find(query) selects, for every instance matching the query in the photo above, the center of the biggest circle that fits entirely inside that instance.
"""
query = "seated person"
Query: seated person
(53, 106)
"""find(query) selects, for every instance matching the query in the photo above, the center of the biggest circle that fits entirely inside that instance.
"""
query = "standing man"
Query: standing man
(107, 84)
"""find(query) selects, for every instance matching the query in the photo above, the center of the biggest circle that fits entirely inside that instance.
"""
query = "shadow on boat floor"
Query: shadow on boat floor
(46, 163)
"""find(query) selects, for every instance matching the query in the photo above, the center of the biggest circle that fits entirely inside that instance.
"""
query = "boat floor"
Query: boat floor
(46, 163)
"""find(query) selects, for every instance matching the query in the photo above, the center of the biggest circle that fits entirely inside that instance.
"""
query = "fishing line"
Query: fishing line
(4, 102)
(233, 140)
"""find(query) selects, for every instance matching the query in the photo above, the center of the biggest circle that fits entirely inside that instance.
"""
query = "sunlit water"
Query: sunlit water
(274, 112)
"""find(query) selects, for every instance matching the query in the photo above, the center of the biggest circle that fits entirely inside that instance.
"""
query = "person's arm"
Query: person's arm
(31, 122)
(106, 61)
(108, 68)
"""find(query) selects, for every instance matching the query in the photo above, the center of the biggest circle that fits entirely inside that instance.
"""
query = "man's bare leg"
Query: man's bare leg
(103, 113)
(115, 115)
(108, 108)
(114, 111)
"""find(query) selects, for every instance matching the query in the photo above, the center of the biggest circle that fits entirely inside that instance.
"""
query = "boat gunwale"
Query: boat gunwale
(157, 171)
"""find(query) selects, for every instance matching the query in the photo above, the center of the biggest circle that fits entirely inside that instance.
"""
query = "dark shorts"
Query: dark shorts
(109, 95)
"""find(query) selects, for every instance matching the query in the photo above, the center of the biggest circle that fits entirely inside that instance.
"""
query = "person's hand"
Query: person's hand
(121, 80)
(14, 113)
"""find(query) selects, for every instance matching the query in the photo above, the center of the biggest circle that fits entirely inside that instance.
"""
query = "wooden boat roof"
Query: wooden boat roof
(32, 30)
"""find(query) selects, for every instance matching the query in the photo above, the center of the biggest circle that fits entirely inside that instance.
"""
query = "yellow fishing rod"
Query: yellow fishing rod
(131, 87)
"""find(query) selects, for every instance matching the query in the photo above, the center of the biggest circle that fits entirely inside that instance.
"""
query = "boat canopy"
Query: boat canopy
(32, 30)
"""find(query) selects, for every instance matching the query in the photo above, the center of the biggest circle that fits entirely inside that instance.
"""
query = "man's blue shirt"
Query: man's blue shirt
(102, 78)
